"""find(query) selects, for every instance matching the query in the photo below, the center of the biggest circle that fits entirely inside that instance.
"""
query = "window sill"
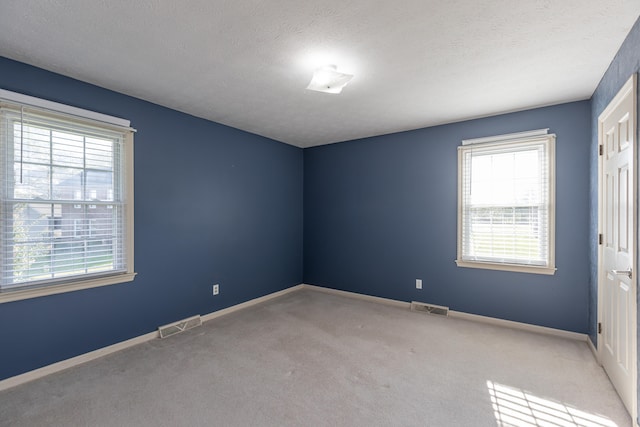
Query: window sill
(507, 267)
(18, 294)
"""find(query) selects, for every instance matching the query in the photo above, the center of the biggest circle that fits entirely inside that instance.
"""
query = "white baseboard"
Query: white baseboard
(92, 355)
(364, 297)
(518, 325)
(459, 314)
(74, 361)
(250, 303)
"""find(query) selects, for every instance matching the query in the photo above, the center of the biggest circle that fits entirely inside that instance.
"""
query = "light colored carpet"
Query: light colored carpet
(313, 359)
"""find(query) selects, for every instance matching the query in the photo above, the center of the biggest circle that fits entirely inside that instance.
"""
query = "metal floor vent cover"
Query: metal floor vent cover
(179, 326)
(429, 308)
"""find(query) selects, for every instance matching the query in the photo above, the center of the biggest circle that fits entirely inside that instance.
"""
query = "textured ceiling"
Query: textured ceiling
(246, 63)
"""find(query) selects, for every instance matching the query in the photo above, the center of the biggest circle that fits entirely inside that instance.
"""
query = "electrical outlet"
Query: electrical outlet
(418, 283)
(216, 289)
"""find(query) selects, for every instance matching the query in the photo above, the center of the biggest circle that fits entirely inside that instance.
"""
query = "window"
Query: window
(506, 203)
(66, 200)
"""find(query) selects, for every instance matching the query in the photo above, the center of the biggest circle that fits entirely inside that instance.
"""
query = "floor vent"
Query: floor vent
(179, 326)
(429, 308)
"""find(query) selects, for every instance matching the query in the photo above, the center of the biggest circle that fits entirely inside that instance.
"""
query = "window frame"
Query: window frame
(517, 141)
(82, 117)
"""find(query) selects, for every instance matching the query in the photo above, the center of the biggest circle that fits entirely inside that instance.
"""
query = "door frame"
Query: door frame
(629, 86)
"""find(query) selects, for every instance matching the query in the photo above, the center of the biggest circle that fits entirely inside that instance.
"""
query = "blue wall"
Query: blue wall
(212, 205)
(625, 63)
(381, 212)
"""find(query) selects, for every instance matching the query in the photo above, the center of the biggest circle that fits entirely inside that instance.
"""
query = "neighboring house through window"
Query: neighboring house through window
(506, 197)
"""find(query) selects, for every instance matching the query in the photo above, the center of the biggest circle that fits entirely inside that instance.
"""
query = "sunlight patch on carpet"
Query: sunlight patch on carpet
(514, 407)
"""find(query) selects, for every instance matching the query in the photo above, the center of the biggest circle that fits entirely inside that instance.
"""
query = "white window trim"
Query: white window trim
(507, 267)
(102, 120)
(32, 101)
(528, 136)
(20, 294)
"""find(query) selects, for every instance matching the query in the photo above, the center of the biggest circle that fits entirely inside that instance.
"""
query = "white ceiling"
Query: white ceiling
(246, 63)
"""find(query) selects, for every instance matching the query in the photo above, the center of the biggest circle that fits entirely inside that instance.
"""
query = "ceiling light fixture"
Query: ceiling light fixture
(327, 79)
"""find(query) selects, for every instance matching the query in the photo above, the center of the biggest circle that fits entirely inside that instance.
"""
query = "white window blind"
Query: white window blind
(506, 197)
(65, 202)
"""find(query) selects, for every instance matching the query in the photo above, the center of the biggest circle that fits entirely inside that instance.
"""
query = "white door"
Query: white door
(617, 255)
